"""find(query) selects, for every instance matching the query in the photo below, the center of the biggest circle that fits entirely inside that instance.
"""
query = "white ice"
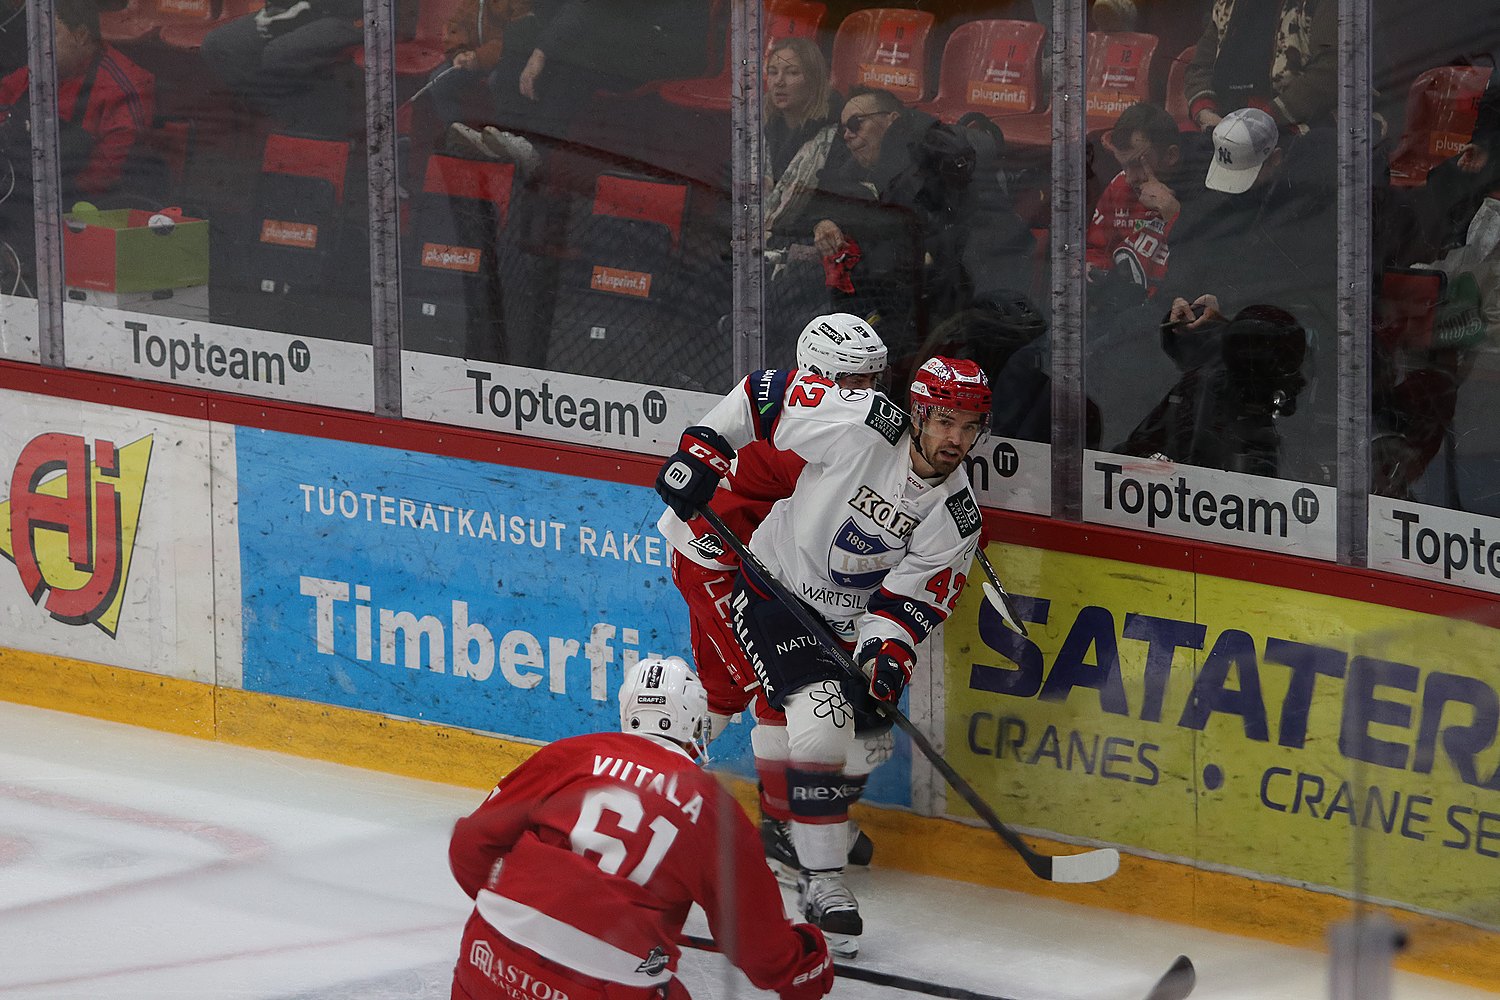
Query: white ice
(135, 864)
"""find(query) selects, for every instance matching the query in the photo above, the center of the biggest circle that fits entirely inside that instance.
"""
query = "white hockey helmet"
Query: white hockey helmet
(840, 344)
(661, 696)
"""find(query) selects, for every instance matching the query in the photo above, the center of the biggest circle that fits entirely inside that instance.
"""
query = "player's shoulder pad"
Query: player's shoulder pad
(767, 391)
(886, 418)
(965, 511)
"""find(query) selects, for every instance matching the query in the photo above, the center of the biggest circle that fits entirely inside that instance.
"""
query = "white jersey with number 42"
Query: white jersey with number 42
(877, 550)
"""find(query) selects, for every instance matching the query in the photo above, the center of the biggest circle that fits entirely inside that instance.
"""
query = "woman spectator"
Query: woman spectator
(801, 125)
(800, 102)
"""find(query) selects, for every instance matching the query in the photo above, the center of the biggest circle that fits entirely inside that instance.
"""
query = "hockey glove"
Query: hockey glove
(888, 665)
(812, 976)
(688, 479)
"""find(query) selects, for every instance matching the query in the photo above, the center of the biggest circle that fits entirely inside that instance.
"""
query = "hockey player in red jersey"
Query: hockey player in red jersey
(877, 537)
(846, 350)
(584, 861)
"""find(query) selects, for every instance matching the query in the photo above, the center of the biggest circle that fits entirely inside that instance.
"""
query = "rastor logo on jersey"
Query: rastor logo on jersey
(70, 524)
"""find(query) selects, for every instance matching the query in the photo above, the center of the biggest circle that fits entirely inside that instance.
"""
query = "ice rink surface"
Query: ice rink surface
(135, 864)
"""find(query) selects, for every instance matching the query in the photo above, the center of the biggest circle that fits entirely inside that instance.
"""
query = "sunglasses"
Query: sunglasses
(856, 122)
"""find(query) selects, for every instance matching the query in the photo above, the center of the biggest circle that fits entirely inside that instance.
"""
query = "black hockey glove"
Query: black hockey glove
(888, 665)
(688, 479)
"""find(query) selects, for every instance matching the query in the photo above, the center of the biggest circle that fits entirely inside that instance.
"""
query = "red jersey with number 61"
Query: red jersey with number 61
(592, 852)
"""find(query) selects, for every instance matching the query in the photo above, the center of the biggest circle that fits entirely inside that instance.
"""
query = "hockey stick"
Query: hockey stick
(1177, 982)
(997, 596)
(864, 975)
(1090, 866)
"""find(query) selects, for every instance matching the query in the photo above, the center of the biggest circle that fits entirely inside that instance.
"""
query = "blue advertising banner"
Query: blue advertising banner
(463, 593)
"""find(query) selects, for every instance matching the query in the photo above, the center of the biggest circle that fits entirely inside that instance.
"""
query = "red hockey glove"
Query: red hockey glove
(688, 479)
(812, 977)
(890, 670)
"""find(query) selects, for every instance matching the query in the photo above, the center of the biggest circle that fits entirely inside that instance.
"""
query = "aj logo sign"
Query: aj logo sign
(70, 523)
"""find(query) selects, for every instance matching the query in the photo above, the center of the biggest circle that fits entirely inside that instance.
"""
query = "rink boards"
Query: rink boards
(233, 571)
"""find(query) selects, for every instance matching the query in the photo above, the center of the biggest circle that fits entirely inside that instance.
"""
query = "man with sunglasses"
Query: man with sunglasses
(914, 217)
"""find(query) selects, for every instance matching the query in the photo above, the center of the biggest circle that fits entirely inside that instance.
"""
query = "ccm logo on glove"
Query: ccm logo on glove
(688, 479)
(888, 664)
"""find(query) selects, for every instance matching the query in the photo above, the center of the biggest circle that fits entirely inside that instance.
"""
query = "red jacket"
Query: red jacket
(121, 108)
(1121, 224)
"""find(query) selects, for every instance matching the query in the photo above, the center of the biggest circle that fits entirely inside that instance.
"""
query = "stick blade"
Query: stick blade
(999, 603)
(1177, 982)
(1090, 866)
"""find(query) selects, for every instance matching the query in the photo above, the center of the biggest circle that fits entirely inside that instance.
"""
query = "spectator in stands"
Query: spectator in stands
(106, 106)
(1264, 233)
(1239, 377)
(800, 104)
(801, 127)
(279, 60)
(1280, 57)
(586, 46)
(486, 44)
(908, 223)
(1127, 248)
(1005, 333)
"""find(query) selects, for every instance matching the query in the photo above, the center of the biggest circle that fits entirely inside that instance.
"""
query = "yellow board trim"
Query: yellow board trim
(1163, 890)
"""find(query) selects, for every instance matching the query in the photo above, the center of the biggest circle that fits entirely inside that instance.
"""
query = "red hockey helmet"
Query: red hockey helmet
(951, 384)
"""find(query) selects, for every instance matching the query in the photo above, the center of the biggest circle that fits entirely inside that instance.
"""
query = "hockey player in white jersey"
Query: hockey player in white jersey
(877, 537)
(847, 351)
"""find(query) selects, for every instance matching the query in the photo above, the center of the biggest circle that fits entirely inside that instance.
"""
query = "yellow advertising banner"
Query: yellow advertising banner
(1297, 736)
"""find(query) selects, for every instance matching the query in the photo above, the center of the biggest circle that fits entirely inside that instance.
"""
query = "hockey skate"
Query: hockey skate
(776, 839)
(827, 904)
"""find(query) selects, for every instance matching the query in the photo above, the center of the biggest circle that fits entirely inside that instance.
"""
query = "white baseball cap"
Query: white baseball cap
(1243, 142)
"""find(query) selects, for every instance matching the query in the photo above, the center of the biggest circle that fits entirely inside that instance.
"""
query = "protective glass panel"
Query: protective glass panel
(214, 193)
(1211, 298)
(18, 315)
(564, 172)
(1435, 226)
(930, 216)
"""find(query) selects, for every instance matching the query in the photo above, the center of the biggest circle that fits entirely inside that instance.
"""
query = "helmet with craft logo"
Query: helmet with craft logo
(840, 344)
(661, 696)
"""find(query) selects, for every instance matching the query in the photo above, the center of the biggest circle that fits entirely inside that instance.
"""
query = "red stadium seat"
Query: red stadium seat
(791, 19)
(1441, 108)
(622, 197)
(1176, 98)
(186, 33)
(130, 24)
(883, 47)
(419, 55)
(633, 306)
(459, 261)
(783, 19)
(475, 180)
(1118, 75)
(992, 67)
(316, 159)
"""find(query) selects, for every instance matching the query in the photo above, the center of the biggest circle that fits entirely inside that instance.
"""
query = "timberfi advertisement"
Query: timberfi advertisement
(497, 599)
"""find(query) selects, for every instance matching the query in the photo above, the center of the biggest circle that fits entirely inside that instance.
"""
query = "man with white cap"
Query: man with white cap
(1245, 143)
(1264, 234)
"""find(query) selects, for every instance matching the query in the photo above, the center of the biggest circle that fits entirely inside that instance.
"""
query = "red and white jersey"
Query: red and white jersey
(592, 852)
(1125, 231)
(878, 551)
(761, 476)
